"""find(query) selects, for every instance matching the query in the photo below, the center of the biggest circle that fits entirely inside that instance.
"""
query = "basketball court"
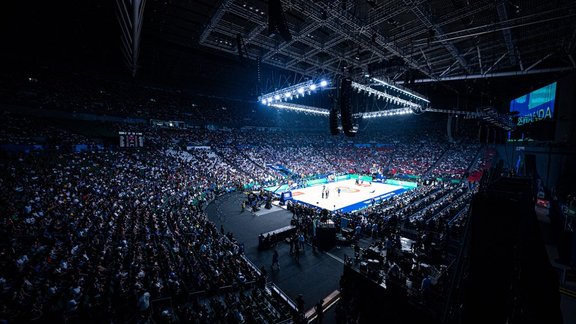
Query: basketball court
(352, 196)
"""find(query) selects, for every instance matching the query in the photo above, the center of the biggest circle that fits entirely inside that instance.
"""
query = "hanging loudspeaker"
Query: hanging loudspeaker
(345, 102)
(334, 122)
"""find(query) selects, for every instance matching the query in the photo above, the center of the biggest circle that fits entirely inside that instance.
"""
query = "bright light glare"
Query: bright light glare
(300, 90)
(313, 87)
(323, 83)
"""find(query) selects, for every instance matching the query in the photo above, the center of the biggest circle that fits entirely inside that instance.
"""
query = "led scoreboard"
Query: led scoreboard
(131, 139)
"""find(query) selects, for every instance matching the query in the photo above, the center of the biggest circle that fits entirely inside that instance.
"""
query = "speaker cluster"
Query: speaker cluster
(344, 105)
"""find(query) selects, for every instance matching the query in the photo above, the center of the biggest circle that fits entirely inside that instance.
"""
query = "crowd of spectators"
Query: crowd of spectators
(111, 234)
(413, 237)
(456, 161)
(100, 235)
(76, 93)
(20, 130)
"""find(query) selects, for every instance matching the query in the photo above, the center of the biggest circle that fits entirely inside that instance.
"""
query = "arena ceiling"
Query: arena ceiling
(435, 40)
(397, 39)
(422, 44)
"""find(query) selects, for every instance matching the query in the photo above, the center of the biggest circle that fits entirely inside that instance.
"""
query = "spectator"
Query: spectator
(300, 304)
(426, 288)
(319, 308)
(275, 263)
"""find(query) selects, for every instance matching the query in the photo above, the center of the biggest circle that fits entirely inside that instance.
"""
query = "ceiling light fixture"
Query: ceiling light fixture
(294, 91)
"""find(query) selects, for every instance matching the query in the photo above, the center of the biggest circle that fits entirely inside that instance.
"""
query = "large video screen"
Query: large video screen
(535, 106)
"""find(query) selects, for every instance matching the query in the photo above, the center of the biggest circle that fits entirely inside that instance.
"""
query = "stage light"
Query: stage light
(297, 90)
(302, 108)
(264, 101)
(386, 113)
(404, 91)
(388, 97)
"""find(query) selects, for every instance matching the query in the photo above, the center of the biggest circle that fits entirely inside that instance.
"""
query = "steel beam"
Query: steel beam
(506, 33)
(538, 62)
(495, 63)
(224, 6)
(130, 15)
(479, 59)
(495, 75)
(426, 19)
(351, 28)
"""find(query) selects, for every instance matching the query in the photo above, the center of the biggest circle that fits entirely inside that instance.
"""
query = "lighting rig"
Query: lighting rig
(488, 114)
(492, 116)
(301, 108)
(412, 100)
(409, 103)
(388, 97)
(410, 94)
(293, 92)
(386, 113)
